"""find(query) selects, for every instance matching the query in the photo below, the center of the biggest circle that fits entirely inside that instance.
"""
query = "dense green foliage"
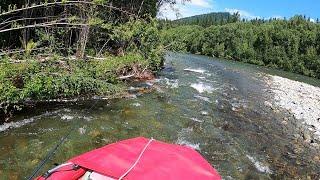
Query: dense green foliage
(56, 77)
(85, 55)
(292, 45)
(38, 81)
(206, 20)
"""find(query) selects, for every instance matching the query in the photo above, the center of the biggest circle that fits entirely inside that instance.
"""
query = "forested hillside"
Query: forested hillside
(292, 45)
(205, 20)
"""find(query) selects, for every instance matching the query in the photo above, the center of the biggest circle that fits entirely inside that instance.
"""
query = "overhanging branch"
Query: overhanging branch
(67, 25)
(64, 3)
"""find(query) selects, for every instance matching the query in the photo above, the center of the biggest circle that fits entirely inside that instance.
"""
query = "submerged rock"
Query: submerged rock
(259, 166)
(204, 113)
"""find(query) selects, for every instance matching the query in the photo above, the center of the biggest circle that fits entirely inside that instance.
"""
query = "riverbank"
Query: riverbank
(300, 99)
(55, 79)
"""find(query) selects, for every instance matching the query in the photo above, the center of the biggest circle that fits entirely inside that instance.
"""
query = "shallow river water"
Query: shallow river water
(217, 107)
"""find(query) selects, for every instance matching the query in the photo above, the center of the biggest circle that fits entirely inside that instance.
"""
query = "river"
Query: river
(226, 110)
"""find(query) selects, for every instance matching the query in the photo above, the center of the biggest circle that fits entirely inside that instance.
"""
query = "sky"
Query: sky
(248, 9)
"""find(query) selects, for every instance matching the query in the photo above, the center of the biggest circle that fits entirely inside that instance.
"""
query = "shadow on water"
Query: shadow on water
(216, 107)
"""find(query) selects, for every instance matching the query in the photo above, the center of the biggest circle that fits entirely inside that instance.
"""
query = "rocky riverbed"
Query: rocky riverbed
(300, 99)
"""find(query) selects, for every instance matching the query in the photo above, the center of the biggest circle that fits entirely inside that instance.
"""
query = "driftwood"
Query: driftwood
(127, 77)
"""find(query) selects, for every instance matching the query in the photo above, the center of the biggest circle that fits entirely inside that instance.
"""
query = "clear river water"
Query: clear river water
(215, 106)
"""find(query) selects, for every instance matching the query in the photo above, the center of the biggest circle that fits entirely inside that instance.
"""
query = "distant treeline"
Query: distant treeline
(206, 20)
(292, 45)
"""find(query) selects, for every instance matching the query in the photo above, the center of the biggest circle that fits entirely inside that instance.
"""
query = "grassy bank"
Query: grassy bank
(40, 79)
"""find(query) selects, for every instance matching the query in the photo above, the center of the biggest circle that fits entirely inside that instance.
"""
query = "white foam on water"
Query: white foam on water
(87, 118)
(203, 98)
(149, 83)
(132, 96)
(204, 113)
(24, 122)
(136, 104)
(195, 70)
(185, 132)
(48, 130)
(202, 87)
(259, 166)
(189, 144)
(171, 83)
(131, 88)
(18, 124)
(196, 120)
(67, 110)
(67, 117)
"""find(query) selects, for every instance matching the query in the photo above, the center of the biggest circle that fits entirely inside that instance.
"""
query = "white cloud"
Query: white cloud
(185, 9)
(169, 12)
(243, 14)
(201, 3)
(312, 20)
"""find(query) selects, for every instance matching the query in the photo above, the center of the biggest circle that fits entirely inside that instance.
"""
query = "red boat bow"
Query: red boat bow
(140, 158)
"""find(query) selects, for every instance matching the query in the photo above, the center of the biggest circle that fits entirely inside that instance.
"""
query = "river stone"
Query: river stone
(297, 150)
(204, 113)
(306, 137)
(315, 145)
(268, 104)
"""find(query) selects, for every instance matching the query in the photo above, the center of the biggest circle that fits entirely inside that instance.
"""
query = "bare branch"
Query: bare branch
(127, 77)
(140, 7)
(22, 19)
(65, 3)
(67, 25)
(19, 51)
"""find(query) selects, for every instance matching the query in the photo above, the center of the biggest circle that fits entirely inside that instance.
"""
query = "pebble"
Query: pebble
(297, 150)
(306, 137)
(267, 103)
(82, 130)
(204, 113)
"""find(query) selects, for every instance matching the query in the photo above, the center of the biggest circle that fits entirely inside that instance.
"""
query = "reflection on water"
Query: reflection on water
(216, 107)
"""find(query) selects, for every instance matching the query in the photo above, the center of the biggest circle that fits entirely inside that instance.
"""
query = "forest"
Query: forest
(206, 20)
(291, 45)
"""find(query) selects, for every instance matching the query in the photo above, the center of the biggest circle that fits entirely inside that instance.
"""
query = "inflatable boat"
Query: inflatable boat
(138, 158)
